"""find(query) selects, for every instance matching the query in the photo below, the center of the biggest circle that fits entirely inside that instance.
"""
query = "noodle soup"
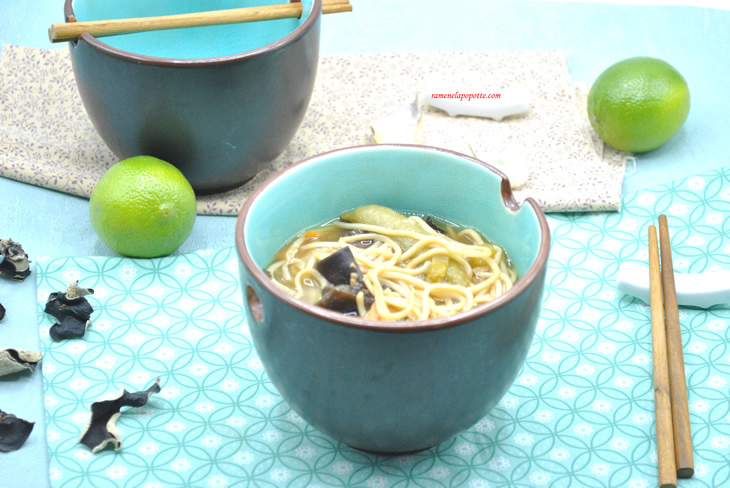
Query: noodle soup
(402, 385)
(378, 264)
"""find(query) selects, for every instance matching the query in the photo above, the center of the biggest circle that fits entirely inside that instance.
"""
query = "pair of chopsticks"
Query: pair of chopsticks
(70, 31)
(674, 440)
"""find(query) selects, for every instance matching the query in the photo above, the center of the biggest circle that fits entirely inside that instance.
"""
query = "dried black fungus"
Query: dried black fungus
(15, 264)
(345, 278)
(17, 360)
(343, 298)
(13, 432)
(339, 267)
(431, 223)
(2, 311)
(101, 428)
(72, 310)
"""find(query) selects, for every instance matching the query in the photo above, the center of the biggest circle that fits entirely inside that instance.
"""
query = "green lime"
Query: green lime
(638, 104)
(143, 207)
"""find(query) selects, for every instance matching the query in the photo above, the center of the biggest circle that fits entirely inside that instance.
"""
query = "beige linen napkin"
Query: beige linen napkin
(46, 138)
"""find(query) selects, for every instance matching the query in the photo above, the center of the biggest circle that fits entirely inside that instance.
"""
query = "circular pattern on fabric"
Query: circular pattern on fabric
(581, 412)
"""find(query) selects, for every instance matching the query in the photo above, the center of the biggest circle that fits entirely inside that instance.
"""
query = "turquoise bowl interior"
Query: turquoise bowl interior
(410, 179)
(194, 42)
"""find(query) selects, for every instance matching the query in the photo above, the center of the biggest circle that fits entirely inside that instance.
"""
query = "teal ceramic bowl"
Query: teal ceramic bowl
(403, 386)
(218, 102)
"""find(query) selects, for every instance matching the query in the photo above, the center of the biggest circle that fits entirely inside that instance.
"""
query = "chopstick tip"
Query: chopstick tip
(52, 33)
(685, 472)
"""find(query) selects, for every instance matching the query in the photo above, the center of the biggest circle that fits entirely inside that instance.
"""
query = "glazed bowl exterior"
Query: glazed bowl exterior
(400, 386)
(218, 102)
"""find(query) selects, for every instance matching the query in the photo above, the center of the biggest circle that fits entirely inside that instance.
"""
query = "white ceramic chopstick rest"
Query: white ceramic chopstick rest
(476, 103)
(693, 289)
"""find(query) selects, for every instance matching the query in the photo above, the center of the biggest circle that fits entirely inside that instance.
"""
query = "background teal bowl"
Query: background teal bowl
(391, 387)
(218, 102)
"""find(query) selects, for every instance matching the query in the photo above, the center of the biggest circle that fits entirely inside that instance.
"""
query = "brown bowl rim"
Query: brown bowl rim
(192, 62)
(437, 323)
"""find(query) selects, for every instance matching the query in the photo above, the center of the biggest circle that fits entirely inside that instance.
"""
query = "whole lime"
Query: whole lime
(638, 104)
(143, 207)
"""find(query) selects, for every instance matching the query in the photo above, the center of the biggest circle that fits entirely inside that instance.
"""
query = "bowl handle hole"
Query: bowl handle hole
(254, 304)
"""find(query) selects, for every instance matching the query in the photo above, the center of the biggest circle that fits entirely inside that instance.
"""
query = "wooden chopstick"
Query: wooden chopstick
(677, 381)
(662, 398)
(70, 31)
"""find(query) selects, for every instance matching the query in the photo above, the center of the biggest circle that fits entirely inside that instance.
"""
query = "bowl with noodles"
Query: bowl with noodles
(392, 291)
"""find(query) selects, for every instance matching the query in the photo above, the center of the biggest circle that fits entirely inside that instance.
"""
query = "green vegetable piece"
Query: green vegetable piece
(437, 270)
(482, 262)
(384, 217)
(390, 219)
(456, 275)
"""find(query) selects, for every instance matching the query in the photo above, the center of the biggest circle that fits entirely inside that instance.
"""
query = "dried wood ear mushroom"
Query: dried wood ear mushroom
(101, 428)
(2, 311)
(345, 282)
(72, 310)
(13, 432)
(15, 264)
(17, 360)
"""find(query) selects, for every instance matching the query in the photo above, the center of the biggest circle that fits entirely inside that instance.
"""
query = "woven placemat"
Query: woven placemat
(46, 138)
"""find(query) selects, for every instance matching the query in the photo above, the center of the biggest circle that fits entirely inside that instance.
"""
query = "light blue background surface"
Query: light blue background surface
(695, 40)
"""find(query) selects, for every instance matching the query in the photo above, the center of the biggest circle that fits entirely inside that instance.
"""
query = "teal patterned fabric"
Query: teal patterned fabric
(580, 414)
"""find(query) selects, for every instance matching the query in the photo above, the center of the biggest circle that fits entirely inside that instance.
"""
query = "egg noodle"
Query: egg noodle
(396, 278)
